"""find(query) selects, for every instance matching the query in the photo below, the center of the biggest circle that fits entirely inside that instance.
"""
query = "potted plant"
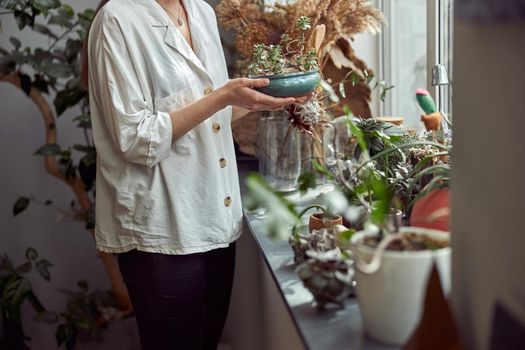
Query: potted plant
(431, 207)
(15, 290)
(291, 67)
(391, 274)
(48, 76)
(328, 276)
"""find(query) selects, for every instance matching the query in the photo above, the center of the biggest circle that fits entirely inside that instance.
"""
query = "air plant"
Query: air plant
(328, 276)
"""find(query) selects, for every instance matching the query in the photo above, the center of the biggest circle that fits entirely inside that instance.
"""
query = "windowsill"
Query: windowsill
(328, 329)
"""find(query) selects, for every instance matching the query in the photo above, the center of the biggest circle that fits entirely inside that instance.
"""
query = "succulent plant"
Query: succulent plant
(317, 241)
(290, 55)
(328, 276)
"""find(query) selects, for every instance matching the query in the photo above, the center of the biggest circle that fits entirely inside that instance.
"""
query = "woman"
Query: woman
(168, 197)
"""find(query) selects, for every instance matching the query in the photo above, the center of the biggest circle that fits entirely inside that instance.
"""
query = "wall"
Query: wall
(66, 244)
(488, 224)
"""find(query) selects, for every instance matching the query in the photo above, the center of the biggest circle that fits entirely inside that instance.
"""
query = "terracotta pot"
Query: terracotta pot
(317, 221)
(432, 211)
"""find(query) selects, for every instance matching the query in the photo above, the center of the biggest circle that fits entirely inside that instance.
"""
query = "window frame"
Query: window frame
(439, 20)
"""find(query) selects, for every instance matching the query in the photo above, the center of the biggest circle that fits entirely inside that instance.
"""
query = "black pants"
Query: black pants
(180, 301)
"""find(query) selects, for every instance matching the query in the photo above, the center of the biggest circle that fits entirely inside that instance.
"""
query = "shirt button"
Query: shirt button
(208, 91)
(228, 201)
(222, 162)
(216, 127)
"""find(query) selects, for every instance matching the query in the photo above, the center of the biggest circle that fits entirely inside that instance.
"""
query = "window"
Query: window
(418, 36)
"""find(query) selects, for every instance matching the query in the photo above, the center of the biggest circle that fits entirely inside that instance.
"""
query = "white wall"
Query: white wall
(67, 245)
(488, 221)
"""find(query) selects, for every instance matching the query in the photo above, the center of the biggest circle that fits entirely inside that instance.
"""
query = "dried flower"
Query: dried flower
(251, 35)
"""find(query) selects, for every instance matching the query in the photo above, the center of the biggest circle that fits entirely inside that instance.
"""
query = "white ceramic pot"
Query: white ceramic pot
(391, 298)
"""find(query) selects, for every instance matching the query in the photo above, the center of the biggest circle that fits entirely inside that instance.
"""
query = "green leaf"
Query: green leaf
(7, 64)
(60, 334)
(25, 83)
(68, 10)
(23, 19)
(83, 148)
(358, 134)
(88, 14)
(51, 149)
(306, 181)
(71, 337)
(34, 301)
(16, 43)
(41, 84)
(342, 90)
(383, 199)
(384, 92)
(47, 317)
(84, 121)
(11, 4)
(83, 285)
(65, 165)
(31, 254)
(320, 168)
(42, 268)
(6, 264)
(42, 29)
(24, 268)
(347, 235)
(68, 98)
(15, 290)
(73, 48)
(330, 91)
(56, 70)
(45, 5)
(281, 211)
(355, 78)
(21, 204)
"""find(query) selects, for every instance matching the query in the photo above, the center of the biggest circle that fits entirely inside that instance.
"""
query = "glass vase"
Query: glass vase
(278, 150)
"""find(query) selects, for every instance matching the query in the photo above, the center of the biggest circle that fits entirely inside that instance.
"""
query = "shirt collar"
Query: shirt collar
(158, 16)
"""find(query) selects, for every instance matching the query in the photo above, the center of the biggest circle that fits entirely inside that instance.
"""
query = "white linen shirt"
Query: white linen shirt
(153, 193)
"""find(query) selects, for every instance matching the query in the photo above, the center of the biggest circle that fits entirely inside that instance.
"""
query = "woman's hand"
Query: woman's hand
(239, 92)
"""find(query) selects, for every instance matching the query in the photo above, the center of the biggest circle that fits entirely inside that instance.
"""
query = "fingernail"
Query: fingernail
(267, 81)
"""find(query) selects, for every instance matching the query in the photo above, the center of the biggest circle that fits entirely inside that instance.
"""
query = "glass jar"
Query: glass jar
(278, 150)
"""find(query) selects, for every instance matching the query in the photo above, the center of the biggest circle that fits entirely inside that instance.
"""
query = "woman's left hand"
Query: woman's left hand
(239, 112)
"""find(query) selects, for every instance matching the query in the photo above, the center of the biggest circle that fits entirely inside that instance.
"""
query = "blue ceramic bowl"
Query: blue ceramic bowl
(291, 84)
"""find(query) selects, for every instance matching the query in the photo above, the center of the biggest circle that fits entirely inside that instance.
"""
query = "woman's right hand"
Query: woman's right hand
(239, 92)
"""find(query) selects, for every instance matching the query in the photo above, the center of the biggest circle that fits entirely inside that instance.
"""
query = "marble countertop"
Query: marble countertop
(324, 330)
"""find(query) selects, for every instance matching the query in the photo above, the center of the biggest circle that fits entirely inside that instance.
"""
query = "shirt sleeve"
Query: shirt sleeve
(143, 136)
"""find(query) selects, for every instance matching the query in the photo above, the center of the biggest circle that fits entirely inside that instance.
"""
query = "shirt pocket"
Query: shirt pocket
(171, 103)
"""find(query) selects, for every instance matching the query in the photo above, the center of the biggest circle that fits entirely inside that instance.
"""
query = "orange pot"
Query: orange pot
(432, 211)
(317, 221)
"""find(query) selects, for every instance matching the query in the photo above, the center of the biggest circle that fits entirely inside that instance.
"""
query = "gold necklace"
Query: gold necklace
(177, 19)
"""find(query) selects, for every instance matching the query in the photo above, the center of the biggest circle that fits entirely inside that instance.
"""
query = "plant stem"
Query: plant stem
(86, 137)
(63, 35)
(300, 215)
(312, 206)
